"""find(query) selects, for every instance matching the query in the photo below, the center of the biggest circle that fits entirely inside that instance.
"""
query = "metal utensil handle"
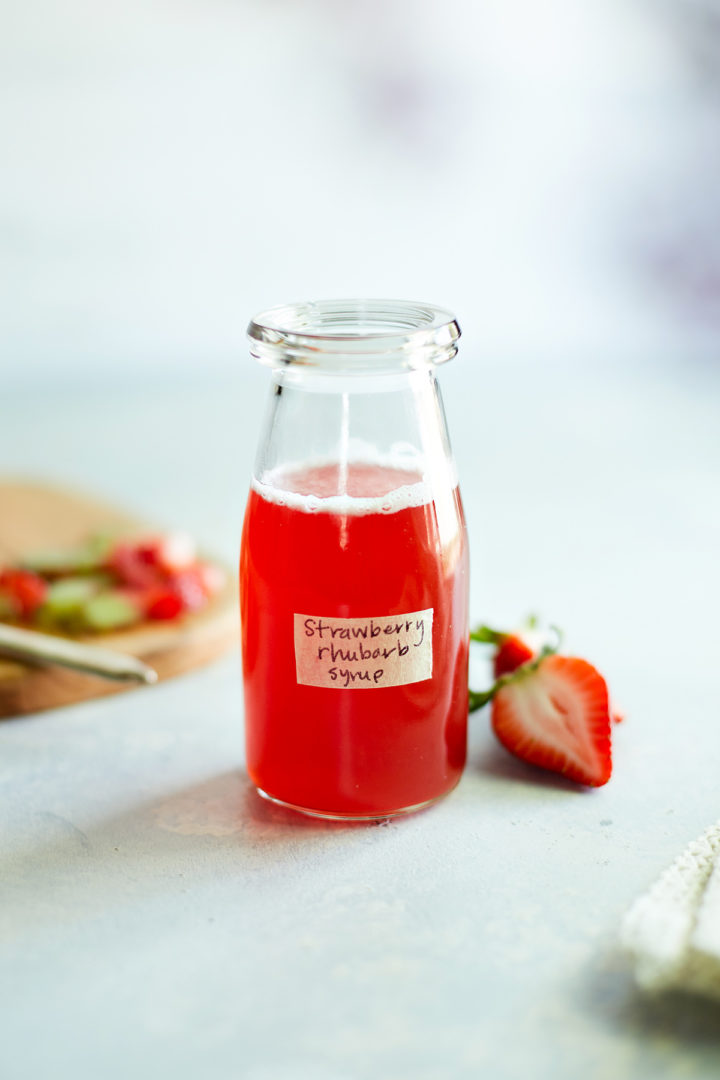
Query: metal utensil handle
(46, 649)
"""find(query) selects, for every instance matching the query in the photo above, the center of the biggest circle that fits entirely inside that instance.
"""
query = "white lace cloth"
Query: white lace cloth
(673, 930)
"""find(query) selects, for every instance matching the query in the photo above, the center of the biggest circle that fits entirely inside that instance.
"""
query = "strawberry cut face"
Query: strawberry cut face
(557, 716)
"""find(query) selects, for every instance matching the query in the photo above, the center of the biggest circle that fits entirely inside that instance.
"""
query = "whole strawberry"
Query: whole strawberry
(512, 648)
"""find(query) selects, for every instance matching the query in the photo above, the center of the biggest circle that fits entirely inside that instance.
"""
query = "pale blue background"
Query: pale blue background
(548, 169)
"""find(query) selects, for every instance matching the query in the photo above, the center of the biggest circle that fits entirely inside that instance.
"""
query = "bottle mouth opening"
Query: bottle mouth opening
(348, 336)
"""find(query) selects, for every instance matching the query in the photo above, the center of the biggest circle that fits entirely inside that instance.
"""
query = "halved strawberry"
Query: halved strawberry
(555, 713)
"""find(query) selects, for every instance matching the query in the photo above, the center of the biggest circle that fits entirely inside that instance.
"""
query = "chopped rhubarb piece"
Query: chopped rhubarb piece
(67, 597)
(8, 609)
(79, 559)
(112, 610)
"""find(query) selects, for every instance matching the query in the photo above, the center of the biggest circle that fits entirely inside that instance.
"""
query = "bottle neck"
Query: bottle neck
(356, 385)
(394, 422)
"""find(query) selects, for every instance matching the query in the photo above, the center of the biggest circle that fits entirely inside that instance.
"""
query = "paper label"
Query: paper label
(364, 654)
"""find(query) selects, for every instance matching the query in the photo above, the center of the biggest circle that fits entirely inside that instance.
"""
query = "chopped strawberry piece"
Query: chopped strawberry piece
(132, 567)
(165, 571)
(556, 714)
(153, 559)
(212, 578)
(23, 590)
(162, 604)
(147, 553)
(189, 587)
(170, 553)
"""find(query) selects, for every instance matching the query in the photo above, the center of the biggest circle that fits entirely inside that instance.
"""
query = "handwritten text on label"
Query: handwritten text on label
(366, 653)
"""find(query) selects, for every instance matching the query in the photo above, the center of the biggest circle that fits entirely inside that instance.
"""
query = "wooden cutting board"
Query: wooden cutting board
(34, 517)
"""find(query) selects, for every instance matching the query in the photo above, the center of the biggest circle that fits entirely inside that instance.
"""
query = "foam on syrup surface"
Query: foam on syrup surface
(364, 488)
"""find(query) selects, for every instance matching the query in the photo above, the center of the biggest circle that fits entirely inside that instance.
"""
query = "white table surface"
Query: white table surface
(159, 919)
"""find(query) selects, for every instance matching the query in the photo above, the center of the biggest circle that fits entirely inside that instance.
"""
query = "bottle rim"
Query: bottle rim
(346, 336)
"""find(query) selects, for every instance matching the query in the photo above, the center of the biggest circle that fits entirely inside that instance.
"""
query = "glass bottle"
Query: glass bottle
(354, 564)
